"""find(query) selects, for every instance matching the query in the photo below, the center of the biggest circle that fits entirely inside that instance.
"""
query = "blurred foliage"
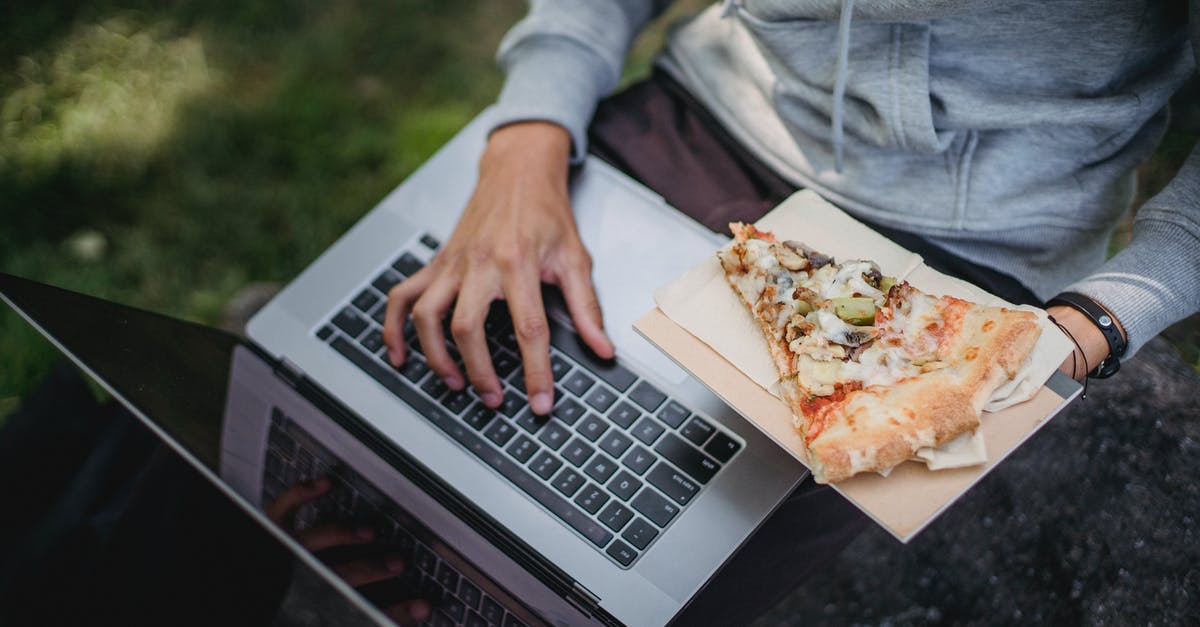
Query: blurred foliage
(164, 154)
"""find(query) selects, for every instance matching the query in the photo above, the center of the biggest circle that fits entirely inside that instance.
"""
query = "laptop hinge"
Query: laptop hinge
(289, 372)
(583, 599)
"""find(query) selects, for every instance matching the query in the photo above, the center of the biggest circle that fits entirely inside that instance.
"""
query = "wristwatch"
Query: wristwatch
(1104, 321)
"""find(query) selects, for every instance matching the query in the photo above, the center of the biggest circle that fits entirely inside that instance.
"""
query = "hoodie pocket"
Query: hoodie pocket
(887, 102)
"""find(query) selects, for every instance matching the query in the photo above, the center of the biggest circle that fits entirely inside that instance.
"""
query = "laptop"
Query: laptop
(615, 510)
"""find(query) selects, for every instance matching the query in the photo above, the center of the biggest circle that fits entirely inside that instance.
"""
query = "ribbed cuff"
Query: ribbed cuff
(1152, 283)
(552, 79)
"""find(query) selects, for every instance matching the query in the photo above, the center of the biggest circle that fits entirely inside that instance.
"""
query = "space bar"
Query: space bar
(540, 492)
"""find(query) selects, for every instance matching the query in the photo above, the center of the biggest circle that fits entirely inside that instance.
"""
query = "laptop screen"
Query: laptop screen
(302, 466)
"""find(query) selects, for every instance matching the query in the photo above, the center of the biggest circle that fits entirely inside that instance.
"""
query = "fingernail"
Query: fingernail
(452, 382)
(541, 403)
(365, 533)
(491, 399)
(394, 358)
(419, 610)
(394, 564)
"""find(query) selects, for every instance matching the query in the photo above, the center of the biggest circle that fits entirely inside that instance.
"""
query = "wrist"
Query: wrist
(1086, 335)
(542, 141)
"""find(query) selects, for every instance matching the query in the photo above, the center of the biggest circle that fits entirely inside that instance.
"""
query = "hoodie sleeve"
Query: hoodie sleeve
(563, 57)
(1155, 281)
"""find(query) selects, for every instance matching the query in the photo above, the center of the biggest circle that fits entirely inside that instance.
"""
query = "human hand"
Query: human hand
(516, 233)
(357, 572)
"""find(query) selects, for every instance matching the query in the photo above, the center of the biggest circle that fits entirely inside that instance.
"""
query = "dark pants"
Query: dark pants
(658, 134)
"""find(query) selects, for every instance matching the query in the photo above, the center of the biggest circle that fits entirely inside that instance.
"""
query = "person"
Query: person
(998, 140)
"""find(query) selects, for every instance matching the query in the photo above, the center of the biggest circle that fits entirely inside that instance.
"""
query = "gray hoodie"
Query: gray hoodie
(1006, 132)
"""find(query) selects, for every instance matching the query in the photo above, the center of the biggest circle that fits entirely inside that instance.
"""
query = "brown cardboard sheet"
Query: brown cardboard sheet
(698, 327)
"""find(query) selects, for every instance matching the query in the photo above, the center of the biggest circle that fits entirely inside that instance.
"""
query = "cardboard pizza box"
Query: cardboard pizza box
(702, 325)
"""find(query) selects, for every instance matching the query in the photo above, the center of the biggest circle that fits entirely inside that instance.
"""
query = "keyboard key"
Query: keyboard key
(638, 460)
(475, 620)
(454, 608)
(623, 553)
(697, 431)
(470, 594)
(349, 322)
(504, 362)
(324, 332)
(500, 432)
(624, 485)
(647, 430)
(386, 281)
(430, 242)
(517, 379)
(426, 560)
(591, 427)
(659, 510)
(579, 382)
(673, 414)
(568, 482)
(608, 370)
(648, 396)
(513, 621)
(591, 498)
(413, 368)
(559, 367)
(435, 388)
(492, 612)
(554, 435)
(640, 533)
(440, 619)
(722, 447)
(544, 465)
(577, 452)
(568, 410)
(615, 516)
(615, 443)
(530, 421)
(600, 468)
(601, 398)
(408, 264)
(447, 577)
(672, 483)
(372, 341)
(456, 401)
(479, 416)
(696, 464)
(522, 449)
(365, 300)
(624, 414)
(512, 403)
(379, 315)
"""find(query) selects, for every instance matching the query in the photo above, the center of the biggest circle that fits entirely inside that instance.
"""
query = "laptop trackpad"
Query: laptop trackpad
(638, 244)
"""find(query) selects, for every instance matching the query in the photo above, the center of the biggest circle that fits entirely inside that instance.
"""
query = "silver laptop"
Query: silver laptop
(642, 483)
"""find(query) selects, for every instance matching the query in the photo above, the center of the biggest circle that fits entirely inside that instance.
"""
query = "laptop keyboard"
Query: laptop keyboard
(294, 456)
(618, 459)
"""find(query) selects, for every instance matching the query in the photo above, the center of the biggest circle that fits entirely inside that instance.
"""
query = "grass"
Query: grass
(165, 154)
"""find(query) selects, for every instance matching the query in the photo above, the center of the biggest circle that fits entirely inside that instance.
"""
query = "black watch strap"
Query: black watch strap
(1104, 321)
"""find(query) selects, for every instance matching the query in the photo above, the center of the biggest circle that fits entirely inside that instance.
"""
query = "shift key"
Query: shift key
(673, 483)
(699, 466)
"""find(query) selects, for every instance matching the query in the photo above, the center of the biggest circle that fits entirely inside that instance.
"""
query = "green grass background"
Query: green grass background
(165, 154)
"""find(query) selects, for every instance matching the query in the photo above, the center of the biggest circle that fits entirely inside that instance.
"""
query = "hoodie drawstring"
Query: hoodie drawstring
(839, 83)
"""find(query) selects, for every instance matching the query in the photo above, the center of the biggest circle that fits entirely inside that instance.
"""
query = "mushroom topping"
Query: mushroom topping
(790, 259)
(815, 259)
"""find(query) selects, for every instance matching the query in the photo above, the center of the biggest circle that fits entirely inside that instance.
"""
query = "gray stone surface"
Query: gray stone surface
(1093, 521)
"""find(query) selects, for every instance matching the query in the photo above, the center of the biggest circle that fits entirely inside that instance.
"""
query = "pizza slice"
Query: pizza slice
(872, 369)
